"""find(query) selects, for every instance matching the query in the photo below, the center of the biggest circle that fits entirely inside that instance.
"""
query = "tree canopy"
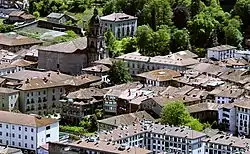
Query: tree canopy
(175, 113)
(118, 73)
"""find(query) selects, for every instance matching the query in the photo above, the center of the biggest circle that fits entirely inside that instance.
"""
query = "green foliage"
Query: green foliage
(129, 45)
(157, 13)
(72, 129)
(6, 28)
(180, 40)
(71, 35)
(175, 113)
(36, 14)
(242, 9)
(118, 73)
(152, 43)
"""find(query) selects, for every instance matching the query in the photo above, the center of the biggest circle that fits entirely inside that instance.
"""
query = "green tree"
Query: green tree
(143, 35)
(36, 14)
(118, 73)
(99, 113)
(201, 28)
(242, 9)
(129, 45)
(195, 124)
(196, 7)
(175, 113)
(180, 40)
(180, 16)
(157, 13)
(110, 42)
(109, 7)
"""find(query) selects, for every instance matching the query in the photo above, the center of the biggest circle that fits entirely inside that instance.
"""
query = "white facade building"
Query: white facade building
(221, 52)
(6, 68)
(158, 138)
(27, 132)
(137, 63)
(227, 116)
(121, 24)
(8, 99)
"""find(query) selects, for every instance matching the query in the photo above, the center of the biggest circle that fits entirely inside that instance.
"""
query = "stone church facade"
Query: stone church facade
(71, 57)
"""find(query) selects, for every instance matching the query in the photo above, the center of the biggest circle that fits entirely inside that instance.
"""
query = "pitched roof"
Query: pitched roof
(38, 83)
(96, 68)
(87, 93)
(25, 119)
(127, 119)
(203, 107)
(55, 15)
(78, 44)
(17, 40)
(81, 80)
(222, 48)
(16, 13)
(7, 90)
(160, 75)
(9, 150)
(118, 17)
(28, 74)
(22, 63)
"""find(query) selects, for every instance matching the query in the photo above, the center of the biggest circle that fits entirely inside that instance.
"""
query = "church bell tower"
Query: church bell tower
(95, 39)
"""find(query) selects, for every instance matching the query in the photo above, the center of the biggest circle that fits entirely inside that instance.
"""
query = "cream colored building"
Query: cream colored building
(40, 96)
(8, 99)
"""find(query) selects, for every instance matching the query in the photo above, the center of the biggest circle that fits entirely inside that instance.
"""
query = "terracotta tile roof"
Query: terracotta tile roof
(38, 83)
(24, 119)
(22, 63)
(17, 40)
(127, 119)
(78, 44)
(118, 17)
(160, 75)
(81, 80)
(87, 93)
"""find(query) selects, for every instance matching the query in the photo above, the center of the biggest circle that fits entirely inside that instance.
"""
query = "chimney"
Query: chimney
(48, 74)
(27, 81)
(45, 79)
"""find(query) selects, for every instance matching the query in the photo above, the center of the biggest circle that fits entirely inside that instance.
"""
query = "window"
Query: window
(7, 142)
(61, 90)
(1, 141)
(48, 135)
(13, 143)
(13, 127)
(1, 133)
(19, 128)
(53, 90)
(44, 92)
(32, 130)
(7, 126)
(28, 94)
(25, 145)
(48, 127)
(0, 125)
(19, 144)
(32, 146)
(25, 129)
(32, 138)
(13, 135)
(7, 134)
(19, 136)
(25, 137)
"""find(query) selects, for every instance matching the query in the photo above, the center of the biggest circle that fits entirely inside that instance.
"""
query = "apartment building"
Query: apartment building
(121, 24)
(40, 96)
(227, 117)
(221, 52)
(9, 99)
(92, 145)
(27, 132)
(138, 64)
(225, 143)
(157, 138)
(76, 105)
